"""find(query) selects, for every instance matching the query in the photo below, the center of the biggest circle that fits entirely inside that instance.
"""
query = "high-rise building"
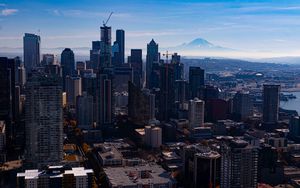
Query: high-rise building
(196, 113)
(115, 55)
(2, 142)
(270, 103)
(7, 94)
(68, 64)
(167, 92)
(196, 81)
(48, 59)
(105, 107)
(122, 75)
(294, 128)
(73, 89)
(238, 164)
(181, 87)
(95, 55)
(178, 67)
(152, 57)
(120, 39)
(105, 52)
(201, 167)
(136, 62)
(85, 111)
(216, 109)
(153, 136)
(31, 51)
(270, 169)
(141, 105)
(242, 105)
(43, 120)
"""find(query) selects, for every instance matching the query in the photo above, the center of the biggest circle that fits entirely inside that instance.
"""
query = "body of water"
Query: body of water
(291, 104)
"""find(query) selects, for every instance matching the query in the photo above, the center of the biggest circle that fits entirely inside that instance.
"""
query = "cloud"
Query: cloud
(8, 12)
(86, 14)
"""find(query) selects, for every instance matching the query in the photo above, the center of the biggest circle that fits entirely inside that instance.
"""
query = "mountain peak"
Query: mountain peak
(200, 42)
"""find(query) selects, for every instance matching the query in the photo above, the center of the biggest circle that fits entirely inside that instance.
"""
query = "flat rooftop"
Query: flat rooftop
(137, 175)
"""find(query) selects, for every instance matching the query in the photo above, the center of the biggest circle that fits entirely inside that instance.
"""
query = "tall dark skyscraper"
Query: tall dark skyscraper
(43, 120)
(201, 167)
(105, 107)
(270, 103)
(95, 55)
(136, 62)
(67, 64)
(31, 51)
(7, 93)
(196, 81)
(152, 57)
(141, 105)
(105, 53)
(242, 105)
(178, 67)
(167, 92)
(120, 39)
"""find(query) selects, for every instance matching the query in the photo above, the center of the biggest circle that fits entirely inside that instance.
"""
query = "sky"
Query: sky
(258, 28)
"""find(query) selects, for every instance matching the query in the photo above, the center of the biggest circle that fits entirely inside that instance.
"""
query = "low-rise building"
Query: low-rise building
(139, 176)
(56, 176)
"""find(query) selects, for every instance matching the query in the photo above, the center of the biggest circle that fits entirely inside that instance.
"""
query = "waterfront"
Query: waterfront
(291, 104)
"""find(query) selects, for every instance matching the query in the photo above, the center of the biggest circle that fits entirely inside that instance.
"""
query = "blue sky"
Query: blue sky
(260, 28)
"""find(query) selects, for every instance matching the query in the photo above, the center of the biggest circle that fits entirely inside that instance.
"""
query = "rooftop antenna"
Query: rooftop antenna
(104, 23)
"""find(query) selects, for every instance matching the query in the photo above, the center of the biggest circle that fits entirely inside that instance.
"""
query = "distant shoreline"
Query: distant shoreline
(290, 90)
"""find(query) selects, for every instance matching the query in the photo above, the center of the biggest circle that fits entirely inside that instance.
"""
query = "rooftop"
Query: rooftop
(137, 175)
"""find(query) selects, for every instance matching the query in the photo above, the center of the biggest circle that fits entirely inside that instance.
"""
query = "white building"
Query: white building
(196, 113)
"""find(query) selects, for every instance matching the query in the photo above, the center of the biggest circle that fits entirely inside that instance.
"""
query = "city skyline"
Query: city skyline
(253, 29)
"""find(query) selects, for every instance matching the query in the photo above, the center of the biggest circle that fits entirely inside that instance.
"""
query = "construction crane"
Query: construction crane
(104, 23)
(167, 54)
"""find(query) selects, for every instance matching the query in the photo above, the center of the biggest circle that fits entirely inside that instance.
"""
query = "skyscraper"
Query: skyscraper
(84, 111)
(141, 105)
(242, 105)
(95, 55)
(48, 59)
(294, 128)
(105, 106)
(7, 93)
(31, 51)
(120, 39)
(196, 81)
(43, 120)
(67, 64)
(238, 164)
(196, 113)
(201, 167)
(167, 92)
(73, 89)
(105, 52)
(270, 103)
(152, 57)
(136, 63)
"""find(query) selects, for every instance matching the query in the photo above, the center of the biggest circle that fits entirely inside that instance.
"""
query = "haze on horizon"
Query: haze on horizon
(255, 29)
